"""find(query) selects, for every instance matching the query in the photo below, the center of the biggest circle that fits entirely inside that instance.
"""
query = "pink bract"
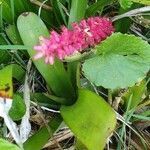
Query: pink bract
(70, 41)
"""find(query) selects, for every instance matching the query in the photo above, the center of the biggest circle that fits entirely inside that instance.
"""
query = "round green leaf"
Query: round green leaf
(91, 119)
(121, 61)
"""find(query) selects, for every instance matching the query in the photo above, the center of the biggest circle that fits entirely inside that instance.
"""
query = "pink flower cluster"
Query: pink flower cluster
(70, 41)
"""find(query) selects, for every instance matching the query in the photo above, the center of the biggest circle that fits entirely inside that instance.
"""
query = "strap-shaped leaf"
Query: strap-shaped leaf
(77, 11)
(121, 61)
(91, 119)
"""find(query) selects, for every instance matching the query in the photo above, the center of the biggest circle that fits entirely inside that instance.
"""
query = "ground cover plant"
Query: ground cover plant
(74, 74)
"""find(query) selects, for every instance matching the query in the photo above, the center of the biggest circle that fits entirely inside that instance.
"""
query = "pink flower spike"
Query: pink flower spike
(83, 35)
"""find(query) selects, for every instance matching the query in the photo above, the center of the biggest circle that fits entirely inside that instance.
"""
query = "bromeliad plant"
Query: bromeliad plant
(84, 49)
(77, 116)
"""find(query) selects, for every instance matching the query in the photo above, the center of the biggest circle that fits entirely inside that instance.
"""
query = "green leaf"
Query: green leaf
(13, 34)
(13, 47)
(4, 56)
(121, 61)
(22, 6)
(120, 24)
(58, 12)
(12, 8)
(18, 108)
(145, 2)
(40, 138)
(5, 145)
(91, 119)
(125, 3)
(145, 113)
(77, 12)
(6, 88)
(6, 11)
(98, 6)
(140, 117)
(79, 145)
(18, 72)
(44, 100)
(31, 27)
(137, 92)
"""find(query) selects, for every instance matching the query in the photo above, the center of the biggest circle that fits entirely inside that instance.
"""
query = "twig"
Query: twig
(133, 143)
(38, 3)
(60, 137)
(47, 126)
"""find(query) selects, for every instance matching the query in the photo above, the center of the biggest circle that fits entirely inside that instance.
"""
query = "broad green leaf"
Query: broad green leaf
(77, 12)
(18, 108)
(121, 61)
(79, 145)
(91, 119)
(137, 92)
(31, 27)
(5, 145)
(6, 88)
(40, 138)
